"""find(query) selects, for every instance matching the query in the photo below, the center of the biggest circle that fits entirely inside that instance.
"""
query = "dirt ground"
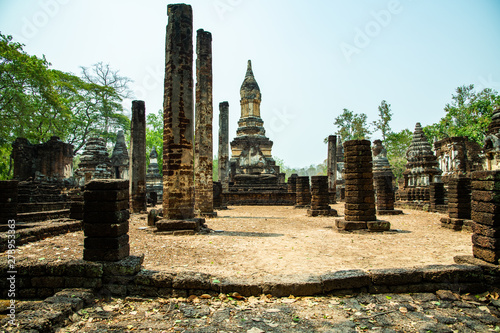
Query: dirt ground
(260, 240)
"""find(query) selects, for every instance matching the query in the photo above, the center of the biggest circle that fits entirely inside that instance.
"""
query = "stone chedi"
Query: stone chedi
(382, 180)
(359, 192)
(421, 170)
(492, 141)
(252, 165)
(120, 158)
(52, 160)
(154, 181)
(94, 162)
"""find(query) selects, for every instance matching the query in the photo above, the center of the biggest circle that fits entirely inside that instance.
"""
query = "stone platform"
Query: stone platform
(374, 226)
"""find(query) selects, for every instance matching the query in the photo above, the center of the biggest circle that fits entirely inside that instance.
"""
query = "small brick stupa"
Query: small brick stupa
(421, 169)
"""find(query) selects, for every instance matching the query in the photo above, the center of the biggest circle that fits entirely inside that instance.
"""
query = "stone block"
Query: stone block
(106, 195)
(193, 280)
(105, 206)
(359, 181)
(488, 255)
(172, 225)
(378, 225)
(106, 217)
(105, 230)
(486, 218)
(486, 175)
(106, 243)
(130, 265)
(486, 185)
(106, 255)
(486, 207)
(486, 242)
(243, 286)
(395, 276)
(107, 184)
(345, 279)
(297, 285)
(486, 196)
(487, 231)
(358, 218)
(451, 274)
(343, 224)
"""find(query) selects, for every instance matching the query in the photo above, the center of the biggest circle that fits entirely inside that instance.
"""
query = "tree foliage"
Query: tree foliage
(396, 145)
(468, 114)
(385, 116)
(352, 126)
(37, 102)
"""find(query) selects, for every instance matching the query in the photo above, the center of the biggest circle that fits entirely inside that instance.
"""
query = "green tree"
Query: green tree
(396, 145)
(352, 126)
(215, 169)
(468, 114)
(108, 100)
(385, 116)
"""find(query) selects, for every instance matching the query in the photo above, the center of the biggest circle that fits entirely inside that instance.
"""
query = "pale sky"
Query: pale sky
(311, 59)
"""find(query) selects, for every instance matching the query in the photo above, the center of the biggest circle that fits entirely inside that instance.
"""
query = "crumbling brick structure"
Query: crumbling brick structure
(320, 197)
(359, 191)
(383, 178)
(105, 221)
(303, 194)
(120, 158)
(459, 204)
(458, 156)
(492, 142)
(137, 171)
(292, 183)
(486, 215)
(8, 200)
(154, 180)
(94, 162)
(52, 160)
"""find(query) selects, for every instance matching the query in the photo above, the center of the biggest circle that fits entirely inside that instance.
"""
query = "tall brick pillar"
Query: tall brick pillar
(332, 167)
(203, 157)
(292, 183)
(359, 192)
(8, 200)
(486, 215)
(224, 144)
(105, 220)
(137, 167)
(178, 157)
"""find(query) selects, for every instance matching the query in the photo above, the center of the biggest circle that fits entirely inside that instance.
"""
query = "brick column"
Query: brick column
(105, 220)
(359, 193)
(178, 172)
(292, 183)
(203, 157)
(332, 166)
(8, 200)
(303, 194)
(137, 165)
(224, 144)
(178, 159)
(459, 203)
(436, 195)
(320, 197)
(385, 193)
(486, 215)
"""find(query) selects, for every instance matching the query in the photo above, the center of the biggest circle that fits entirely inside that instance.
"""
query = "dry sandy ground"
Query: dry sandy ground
(260, 240)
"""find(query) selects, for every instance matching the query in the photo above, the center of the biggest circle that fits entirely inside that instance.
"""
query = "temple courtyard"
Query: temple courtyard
(258, 241)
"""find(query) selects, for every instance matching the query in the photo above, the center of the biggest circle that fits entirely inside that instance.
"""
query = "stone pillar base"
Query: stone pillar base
(208, 214)
(376, 226)
(389, 212)
(456, 224)
(302, 206)
(322, 212)
(181, 227)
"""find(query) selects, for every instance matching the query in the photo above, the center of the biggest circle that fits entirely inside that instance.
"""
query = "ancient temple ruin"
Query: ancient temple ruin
(383, 178)
(154, 180)
(492, 142)
(94, 162)
(458, 156)
(49, 161)
(120, 158)
(252, 165)
(421, 170)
